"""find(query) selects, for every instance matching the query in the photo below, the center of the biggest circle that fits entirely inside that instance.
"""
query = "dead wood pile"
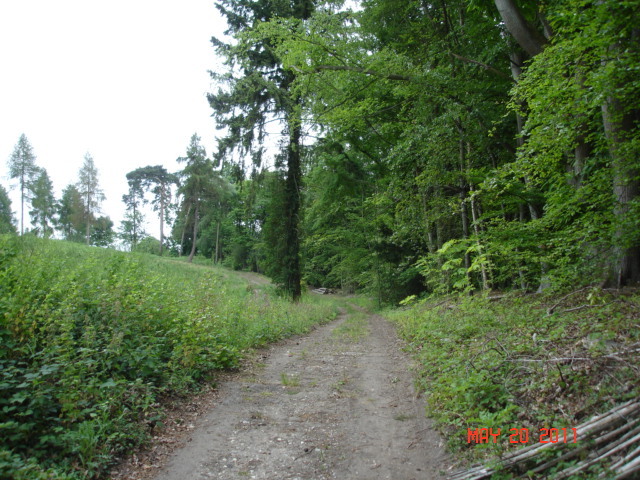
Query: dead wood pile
(611, 440)
(322, 291)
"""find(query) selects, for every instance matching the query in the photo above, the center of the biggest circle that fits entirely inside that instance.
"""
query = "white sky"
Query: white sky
(124, 80)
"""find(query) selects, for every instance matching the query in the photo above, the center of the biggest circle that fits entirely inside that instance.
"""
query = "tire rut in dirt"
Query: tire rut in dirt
(338, 403)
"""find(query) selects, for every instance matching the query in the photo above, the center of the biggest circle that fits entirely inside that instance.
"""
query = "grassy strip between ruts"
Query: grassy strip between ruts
(523, 361)
(91, 340)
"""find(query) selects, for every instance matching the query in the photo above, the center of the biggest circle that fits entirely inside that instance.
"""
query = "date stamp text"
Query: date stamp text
(522, 435)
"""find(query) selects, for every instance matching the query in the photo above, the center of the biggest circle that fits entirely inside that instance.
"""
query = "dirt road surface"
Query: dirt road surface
(336, 404)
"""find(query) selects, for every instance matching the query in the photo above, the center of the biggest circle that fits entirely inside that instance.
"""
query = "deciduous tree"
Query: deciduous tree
(71, 214)
(102, 234)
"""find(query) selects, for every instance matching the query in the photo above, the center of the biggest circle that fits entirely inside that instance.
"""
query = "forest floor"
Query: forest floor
(337, 403)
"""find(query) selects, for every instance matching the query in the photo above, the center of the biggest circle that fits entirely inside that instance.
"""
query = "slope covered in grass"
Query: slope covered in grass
(92, 339)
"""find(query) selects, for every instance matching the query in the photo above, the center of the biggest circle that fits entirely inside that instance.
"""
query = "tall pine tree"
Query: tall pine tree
(258, 92)
(89, 188)
(196, 179)
(133, 201)
(159, 182)
(22, 167)
(43, 204)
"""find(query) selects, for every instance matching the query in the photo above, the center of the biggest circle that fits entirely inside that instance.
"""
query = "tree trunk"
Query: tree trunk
(88, 227)
(184, 231)
(525, 34)
(486, 283)
(464, 216)
(22, 207)
(162, 202)
(195, 233)
(135, 225)
(625, 262)
(581, 153)
(217, 241)
(431, 244)
(292, 209)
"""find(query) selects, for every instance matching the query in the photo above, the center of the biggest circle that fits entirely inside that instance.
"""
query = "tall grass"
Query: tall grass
(91, 339)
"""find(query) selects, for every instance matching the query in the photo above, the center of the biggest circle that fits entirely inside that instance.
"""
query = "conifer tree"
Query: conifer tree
(91, 194)
(159, 182)
(258, 91)
(22, 167)
(133, 201)
(43, 204)
(196, 177)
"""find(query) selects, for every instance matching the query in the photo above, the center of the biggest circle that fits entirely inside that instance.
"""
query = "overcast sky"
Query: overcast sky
(124, 80)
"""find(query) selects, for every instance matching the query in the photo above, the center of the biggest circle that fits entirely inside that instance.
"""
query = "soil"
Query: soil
(338, 403)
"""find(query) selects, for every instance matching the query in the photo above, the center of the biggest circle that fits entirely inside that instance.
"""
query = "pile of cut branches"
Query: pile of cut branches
(609, 442)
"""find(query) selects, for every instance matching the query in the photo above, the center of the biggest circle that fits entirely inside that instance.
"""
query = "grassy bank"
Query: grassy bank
(523, 361)
(93, 339)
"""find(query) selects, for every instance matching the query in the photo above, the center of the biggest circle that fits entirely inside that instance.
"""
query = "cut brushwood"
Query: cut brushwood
(611, 439)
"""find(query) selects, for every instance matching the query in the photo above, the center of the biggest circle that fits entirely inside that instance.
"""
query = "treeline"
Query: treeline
(74, 215)
(424, 146)
(439, 146)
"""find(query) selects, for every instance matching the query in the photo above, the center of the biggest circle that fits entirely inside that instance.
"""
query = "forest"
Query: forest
(397, 150)
(438, 156)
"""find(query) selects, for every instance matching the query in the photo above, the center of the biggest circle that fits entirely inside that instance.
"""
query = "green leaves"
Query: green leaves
(92, 337)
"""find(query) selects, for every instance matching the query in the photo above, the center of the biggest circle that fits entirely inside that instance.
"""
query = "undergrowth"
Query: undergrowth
(93, 339)
(509, 362)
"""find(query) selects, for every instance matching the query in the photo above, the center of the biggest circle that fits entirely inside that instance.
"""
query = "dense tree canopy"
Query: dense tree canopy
(402, 148)
(256, 91)
(460, 144)
(71, 214)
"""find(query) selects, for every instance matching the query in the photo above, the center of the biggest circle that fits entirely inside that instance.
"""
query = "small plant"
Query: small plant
(403, 417)
(353, 328)
(289, 380)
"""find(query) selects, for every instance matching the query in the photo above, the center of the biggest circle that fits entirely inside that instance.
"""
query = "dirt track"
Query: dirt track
(336, 404)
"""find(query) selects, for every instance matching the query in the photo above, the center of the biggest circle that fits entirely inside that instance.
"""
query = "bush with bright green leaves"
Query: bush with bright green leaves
(93, 338)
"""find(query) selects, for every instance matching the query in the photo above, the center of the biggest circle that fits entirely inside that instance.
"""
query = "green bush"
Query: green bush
(93, 338)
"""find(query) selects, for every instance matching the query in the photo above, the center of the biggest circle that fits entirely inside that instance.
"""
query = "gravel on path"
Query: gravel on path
(338, 403)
